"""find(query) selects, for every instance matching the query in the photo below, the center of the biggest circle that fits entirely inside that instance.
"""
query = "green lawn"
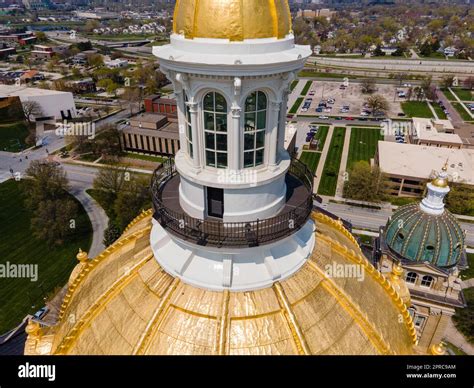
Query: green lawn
(363, 145)
(469, 273)
(448, 95)
(465, 116)
(306, 88)
(19, 246)
(439, 112)
(311, 159)
(463, 94)
(293, 85)
(12, 136)
(328, 183)
(296, 105)
(149, 158)
(417, 109)
(464, 318)
(322, 135)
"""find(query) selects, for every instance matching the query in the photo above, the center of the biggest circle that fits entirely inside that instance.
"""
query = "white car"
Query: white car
(364, 114)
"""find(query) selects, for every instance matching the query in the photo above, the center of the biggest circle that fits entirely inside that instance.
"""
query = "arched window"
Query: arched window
(411, 277)
(254, 129)
(215, 130)
(189, 130)
(427, 281)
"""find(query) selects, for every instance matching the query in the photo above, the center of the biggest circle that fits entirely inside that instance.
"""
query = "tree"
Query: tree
(111, 234)
(426, 49)
(46, 197)
(378, 51)
(132, 96)
(41, 37)
(377, 104)
(366, 183)
(447, 81)
(54, 221)
(31, 109)
(95, 60)
(111, 180)
(460, 199)
(469, 83)
(367, 86)
(134, 197)
(48, 182)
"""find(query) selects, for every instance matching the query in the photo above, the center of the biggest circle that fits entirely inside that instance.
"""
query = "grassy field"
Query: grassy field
(19, 246)
(293, 85)
(417, 109)
(448, 95)
(306, 88)
(439, 112)
(363, 145)
(318, 74)
(322, 136)
(463, 94)
(149, 158)
(465, 116)
(311, 159)
(12, 136)
(296, 105)
(328, 183)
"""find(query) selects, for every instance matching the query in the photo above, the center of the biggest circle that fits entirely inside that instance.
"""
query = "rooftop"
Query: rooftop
(434, 130)
(23, 91)
(416, 161)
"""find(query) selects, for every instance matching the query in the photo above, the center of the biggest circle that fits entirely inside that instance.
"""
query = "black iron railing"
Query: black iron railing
(231, 234)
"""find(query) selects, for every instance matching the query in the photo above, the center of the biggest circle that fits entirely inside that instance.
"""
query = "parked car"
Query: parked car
(41, 312)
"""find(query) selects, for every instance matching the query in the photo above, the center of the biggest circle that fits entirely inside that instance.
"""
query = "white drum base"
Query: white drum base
(235, 269)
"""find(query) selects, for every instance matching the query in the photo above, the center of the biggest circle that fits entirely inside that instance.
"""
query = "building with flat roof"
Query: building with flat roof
(151, 133)
(437, 133)
(409, 166)
(54, 105)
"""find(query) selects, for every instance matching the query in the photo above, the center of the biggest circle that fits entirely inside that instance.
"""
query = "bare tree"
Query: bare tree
(377, 104)
(31, 109)
(367, 86)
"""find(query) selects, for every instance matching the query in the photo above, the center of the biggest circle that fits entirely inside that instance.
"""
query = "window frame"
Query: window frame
(214, 133)
(408, 276)
(430, 282)
(256, 132)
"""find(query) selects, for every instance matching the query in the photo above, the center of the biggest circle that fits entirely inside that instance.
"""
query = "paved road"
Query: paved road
(372, 219)
(423, 65)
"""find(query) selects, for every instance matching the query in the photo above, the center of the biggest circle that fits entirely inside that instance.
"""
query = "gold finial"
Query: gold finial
(442, 178)
(397, 271)
(438, 349)
(33, 329)
(82, 256)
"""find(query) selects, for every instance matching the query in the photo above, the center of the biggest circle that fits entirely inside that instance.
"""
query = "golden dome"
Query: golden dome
(123, 303)
(235, 20)
(442, 179)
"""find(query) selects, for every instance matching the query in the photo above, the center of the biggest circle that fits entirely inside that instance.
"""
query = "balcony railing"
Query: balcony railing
(211, 232)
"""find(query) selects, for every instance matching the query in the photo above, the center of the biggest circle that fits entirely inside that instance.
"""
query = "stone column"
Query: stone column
(274, 134)
(235, 150)
(281, 129)
(194, 110)
(181, 118)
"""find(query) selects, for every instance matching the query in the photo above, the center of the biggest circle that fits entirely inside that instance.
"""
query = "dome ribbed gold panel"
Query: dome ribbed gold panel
(235, 20)
(123, 302)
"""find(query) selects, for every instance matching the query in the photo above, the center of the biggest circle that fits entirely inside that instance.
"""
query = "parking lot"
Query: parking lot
(347, 102)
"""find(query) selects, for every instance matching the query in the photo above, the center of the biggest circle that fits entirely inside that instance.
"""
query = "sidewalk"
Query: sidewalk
(457, 339)
(342, 169)
(322, 161)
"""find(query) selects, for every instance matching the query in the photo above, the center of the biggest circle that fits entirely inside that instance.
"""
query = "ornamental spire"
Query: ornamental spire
(437, 189)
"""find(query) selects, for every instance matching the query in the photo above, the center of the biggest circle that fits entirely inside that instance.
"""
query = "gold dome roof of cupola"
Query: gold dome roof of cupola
(123, 302)
(234, 20)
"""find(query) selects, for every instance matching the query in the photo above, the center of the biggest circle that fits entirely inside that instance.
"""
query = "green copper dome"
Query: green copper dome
(419, 236)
